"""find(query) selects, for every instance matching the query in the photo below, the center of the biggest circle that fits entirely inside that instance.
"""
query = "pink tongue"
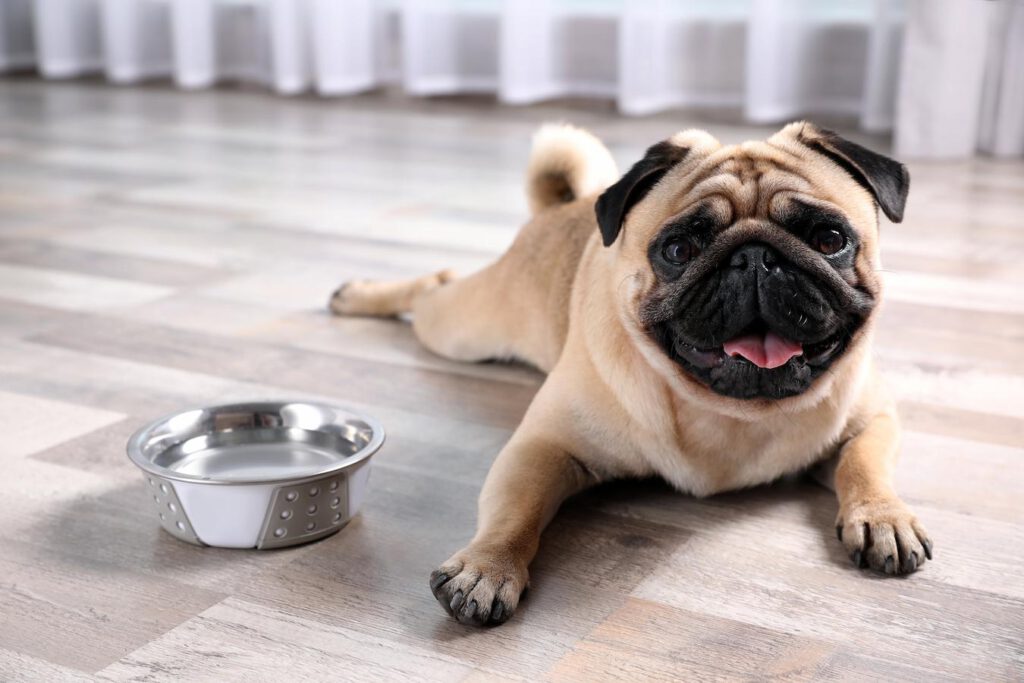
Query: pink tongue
(765, 351)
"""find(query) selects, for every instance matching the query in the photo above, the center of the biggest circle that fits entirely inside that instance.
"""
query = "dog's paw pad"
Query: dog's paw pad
(884, 535)
(478, 588)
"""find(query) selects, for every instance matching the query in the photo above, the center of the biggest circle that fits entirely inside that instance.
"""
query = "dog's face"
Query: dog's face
(753, 268)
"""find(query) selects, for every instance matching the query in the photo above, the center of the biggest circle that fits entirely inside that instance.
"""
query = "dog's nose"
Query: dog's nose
(753, 256)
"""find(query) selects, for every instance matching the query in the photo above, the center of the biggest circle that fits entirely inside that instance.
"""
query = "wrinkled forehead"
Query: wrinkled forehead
(764, 180)
(748, 178)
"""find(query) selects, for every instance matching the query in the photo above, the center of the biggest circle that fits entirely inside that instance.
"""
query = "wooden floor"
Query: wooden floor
(160, 250)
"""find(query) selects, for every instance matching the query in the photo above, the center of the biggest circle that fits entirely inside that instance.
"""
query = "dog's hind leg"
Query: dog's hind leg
(384, 298)
(473, 318)
(465, 319)
(517, 307)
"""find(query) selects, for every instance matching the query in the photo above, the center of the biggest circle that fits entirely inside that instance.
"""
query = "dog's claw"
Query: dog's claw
(437, 579)
(497, 612)
(457, 601)
(468, 614)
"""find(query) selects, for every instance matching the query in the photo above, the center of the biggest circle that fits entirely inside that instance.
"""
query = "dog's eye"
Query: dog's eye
(828, 241)
(679, 251)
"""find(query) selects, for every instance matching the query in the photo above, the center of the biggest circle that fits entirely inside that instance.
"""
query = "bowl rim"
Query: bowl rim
(138, 438)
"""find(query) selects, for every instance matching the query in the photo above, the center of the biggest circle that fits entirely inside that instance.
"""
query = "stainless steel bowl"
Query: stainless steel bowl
(256, 475)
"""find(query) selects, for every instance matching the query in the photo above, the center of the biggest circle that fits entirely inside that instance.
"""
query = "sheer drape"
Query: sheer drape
(947, 75)
(17, 44)
(962, 79)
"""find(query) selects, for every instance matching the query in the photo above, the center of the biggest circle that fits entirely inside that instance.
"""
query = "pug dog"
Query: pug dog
(706, 317)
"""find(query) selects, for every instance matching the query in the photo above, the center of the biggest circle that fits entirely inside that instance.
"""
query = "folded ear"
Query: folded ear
(886, 179)
(617, 200)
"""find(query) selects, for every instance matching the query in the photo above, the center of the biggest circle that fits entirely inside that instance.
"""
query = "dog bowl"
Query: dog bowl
(256, 475)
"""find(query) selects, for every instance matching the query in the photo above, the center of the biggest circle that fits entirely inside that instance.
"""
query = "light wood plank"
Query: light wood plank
(31, 424)
(261, 644)
(72, 291)
(16, 667)
(653, 642)
(430, 391)
(84, 614)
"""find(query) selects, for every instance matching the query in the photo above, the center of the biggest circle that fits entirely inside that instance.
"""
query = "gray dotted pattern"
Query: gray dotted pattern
(172, 516)
(300, 513)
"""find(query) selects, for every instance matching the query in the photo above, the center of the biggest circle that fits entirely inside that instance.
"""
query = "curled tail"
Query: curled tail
(566, 163)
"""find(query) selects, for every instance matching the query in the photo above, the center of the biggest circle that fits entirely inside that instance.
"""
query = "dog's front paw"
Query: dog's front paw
(884, 535)
(479, 586)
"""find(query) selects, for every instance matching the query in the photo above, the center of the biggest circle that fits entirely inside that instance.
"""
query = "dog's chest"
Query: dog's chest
(708, 454)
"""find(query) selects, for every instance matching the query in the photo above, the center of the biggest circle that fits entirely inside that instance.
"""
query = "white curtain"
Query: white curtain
(946, 75)
(962, 80)
(17, 42)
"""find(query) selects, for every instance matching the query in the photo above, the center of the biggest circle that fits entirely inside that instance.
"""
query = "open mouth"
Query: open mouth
(763, 348)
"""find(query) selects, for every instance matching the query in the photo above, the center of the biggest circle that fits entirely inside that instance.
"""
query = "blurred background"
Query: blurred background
(945, 77)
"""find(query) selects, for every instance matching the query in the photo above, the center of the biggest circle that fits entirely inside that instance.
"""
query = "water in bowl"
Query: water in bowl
(255, 461)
